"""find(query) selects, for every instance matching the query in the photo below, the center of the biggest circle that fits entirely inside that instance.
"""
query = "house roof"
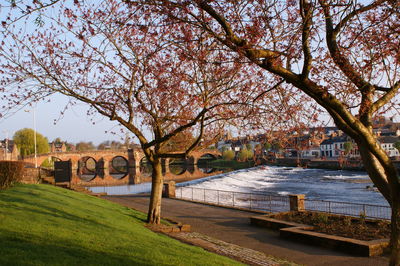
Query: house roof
(337, 139)
(9, 145)
(57, 144)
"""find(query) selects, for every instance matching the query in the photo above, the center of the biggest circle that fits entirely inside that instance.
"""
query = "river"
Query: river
(317, 184)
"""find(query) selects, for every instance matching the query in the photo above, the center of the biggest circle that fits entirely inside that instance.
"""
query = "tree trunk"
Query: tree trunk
(380, 176)
(395, 234)
(154, 213)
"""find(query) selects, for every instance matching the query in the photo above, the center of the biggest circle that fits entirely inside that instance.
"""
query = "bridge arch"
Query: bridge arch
(145, 167)
(177, 166)
(105, 169)
(119, 167)
(87, 170)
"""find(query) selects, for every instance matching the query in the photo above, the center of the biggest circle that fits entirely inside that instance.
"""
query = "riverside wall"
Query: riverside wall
(351, 165)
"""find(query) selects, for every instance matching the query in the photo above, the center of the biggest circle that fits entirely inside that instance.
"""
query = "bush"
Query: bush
(10, 173)
(228, 155)
(245, 154)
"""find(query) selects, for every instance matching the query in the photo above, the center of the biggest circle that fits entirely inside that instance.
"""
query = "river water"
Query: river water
(317, 184)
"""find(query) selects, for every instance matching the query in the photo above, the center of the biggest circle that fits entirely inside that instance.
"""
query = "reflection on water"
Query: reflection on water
(177, 169)
(118, 167)
(205, 167)
(180, 168)
(146, 187)
(87, 177)
(207, 170)
(146, 169)
(118, 176)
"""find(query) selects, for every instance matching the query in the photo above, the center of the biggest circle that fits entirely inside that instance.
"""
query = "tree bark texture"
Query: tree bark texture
(395, 234)
(154, 213)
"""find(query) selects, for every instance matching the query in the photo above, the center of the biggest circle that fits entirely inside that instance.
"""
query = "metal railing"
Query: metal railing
(349, 208)
(278, 203)
(251, 201)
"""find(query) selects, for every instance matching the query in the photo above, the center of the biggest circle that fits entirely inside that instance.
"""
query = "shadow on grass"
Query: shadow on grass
(15, 250)
(43, 208)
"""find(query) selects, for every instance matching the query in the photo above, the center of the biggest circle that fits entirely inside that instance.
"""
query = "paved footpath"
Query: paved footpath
(233, 226)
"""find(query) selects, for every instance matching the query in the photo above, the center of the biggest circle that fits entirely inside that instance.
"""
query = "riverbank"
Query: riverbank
(349, 165)
(230, 165)
(233, 226)
(47, 225)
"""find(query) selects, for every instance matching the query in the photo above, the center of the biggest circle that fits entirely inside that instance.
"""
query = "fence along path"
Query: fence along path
(279, 203)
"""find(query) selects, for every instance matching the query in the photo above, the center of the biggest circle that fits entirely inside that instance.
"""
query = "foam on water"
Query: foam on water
(314, 183)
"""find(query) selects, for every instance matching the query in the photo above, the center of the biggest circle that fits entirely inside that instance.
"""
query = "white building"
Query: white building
(387, 143)
(333, 147)
(311, 152)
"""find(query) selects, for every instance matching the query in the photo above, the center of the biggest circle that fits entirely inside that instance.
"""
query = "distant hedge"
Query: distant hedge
(228, 155)
(10, 173)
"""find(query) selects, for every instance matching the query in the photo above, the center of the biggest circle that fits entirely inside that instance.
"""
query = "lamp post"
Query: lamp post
(34, 134)
(6, 145)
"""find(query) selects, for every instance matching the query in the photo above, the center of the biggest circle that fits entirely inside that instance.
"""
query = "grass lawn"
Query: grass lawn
(46, 225)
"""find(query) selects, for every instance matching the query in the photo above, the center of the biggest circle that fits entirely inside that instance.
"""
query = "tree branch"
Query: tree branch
(306, 14)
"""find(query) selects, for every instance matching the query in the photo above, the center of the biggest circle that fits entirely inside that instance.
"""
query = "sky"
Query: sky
(73, 127)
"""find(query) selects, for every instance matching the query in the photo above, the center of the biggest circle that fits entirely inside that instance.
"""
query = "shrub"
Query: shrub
(228, 155)
(347, 220)
(245, 154)
(10, 173)
(320, 218)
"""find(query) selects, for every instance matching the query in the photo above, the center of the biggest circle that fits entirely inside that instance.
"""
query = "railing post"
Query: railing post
(329, 207)
(233, 199)
(296, 202)
(204, 195)
(192, 194)
(270, 203)
(251, 207)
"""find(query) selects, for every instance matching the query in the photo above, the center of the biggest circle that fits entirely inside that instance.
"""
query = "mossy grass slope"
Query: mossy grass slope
(46, 225)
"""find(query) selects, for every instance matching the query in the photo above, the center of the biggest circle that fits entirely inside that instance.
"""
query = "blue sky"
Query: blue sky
(73, 127)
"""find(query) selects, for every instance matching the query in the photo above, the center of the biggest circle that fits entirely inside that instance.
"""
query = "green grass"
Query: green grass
(46, 225)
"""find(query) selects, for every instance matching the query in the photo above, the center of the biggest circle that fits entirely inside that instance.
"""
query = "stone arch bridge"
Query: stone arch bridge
(120, 167)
